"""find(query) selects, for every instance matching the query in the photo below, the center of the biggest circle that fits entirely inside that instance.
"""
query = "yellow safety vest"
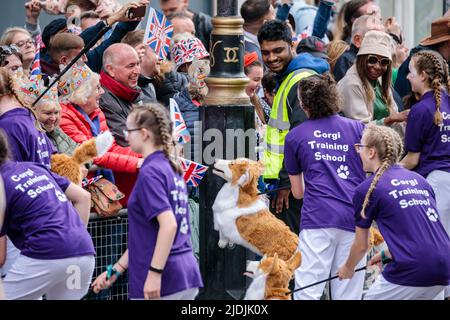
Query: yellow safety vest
(279, 125)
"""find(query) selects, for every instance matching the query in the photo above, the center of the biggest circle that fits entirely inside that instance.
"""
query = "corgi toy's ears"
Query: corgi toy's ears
(295, 261)
(243, 180)
(275, 264)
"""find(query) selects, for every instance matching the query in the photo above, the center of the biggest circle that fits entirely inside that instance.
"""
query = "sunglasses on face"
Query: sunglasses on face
(373, 60)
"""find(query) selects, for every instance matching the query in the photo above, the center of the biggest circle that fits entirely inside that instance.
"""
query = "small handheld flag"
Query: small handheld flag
(193, 172)
(180, 132)
(158, 33)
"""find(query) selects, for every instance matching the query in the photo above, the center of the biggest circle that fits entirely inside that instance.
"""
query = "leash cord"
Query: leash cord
(321, 281)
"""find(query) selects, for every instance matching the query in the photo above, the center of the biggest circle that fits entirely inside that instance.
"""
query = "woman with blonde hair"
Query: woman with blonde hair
(159, 256)
(427, 138)
(403, 205)
(335, 49)
(27, 140)
(22, 39)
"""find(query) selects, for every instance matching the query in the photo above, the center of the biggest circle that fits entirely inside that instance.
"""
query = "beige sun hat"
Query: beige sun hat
(376, 42)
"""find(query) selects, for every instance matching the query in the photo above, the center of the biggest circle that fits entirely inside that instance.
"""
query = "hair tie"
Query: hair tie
(249, 58)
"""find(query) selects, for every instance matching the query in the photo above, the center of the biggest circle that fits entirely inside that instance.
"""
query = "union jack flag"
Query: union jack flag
(180, 132)
(87, 182)
(36, 65)
(193, 172)
(158, 33)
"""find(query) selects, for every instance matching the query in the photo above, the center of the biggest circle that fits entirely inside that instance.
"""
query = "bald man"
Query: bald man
(119, 79)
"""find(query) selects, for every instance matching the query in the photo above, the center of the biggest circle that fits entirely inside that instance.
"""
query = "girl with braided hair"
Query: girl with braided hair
(159, 255)
(427, 138)
(45, 217)
(26, 139)
(403, 205)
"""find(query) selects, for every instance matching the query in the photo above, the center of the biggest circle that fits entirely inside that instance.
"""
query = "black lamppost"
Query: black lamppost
(228, 122)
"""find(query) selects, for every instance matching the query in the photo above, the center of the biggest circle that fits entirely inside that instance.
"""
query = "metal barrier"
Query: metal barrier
(110, 237)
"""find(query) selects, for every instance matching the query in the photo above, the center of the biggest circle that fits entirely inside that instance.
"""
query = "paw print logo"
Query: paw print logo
(184, 226)
(432, 214)
(343, 172)
(61, 196)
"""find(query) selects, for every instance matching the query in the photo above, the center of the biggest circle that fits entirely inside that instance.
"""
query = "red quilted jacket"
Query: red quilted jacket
(118, 158)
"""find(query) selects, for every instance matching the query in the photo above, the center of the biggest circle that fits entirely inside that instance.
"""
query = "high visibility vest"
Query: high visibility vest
(279, 125)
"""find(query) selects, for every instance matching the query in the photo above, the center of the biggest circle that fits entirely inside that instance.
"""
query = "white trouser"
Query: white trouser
(11, 255)
(440, 182)
(384, 290)
(59, 279)
(188, 294)
(323, 252)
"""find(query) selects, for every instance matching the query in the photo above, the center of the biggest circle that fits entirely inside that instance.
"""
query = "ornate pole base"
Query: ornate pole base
(227, 110)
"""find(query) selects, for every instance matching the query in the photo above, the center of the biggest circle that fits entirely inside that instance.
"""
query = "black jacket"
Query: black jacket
(203, 28)
(402, 85)
(345, 62)
(173, 83)
(148, 89)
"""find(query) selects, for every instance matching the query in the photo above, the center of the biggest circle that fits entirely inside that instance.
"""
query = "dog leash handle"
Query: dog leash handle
(325, 280)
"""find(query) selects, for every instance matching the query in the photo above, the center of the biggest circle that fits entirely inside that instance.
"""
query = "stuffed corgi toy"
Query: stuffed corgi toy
(242, 217)
(271, 277)
(69, 167)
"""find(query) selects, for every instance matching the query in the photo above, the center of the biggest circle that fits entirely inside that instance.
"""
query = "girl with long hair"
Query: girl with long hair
(45, 218)
(427, 139)
(403, 205)
(159, 255)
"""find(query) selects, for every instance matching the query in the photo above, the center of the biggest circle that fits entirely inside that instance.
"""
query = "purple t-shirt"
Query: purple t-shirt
(158, 188)
(25, 141)
(40, 221)
(404, 206)
(422, 135)
(323, 150)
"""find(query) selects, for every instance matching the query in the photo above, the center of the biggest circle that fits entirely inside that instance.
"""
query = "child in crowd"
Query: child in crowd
(45, 218)
(427, 139)
(254, 71)
(403, 205)
(159, 256)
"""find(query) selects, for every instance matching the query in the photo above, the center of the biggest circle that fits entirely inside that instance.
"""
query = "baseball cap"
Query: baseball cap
(314, 46)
